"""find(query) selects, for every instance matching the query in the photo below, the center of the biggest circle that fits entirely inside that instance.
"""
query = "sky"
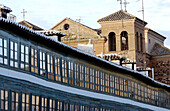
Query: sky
(47, 13)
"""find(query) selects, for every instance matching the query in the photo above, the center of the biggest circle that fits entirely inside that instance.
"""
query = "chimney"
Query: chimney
(4, 11)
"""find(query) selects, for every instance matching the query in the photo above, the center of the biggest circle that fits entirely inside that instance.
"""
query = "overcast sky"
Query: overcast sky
(47, 13)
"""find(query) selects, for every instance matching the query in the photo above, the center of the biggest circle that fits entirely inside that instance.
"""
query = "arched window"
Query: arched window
(124, 40)
(112, 41)
(141, 42)
(137, 37)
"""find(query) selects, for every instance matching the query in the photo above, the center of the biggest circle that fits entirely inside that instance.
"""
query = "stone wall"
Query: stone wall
(161, 65)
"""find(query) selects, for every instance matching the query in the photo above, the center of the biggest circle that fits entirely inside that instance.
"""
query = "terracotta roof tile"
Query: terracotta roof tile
(117, 16)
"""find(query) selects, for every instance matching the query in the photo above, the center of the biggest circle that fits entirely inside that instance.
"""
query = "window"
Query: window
(149, 41)
(3, 51)
(86, 77)
(136, 90)
(60, 106)
(52, 105)
(71, 107)
(91, 78)
(77, 74)
(124, 40)
(112, 84)
(112, 41)
(81, 75)
(66, 26)
(13, 54)
(34, 60)
(107, 83)
(102, 109)
(141, 40)
(4, 99)
(43, 104)
(146, 94)
(15, 100)
(66, 107)
(70, 70)
(137, 37)
(42, 63)
(92, 108)
(50, 66)
(102, 81)
(64, 70)
(149, 95)
(25, 102)
(121, 86)
(82, 108)
(35, 103)
(125, 88)
(117, 85)
(86, 108)
(139, 92)
(156, 97)
(57, 69)
(24, 57)
(97, 84)
(153, 97)
(77, 108)
(97, 109)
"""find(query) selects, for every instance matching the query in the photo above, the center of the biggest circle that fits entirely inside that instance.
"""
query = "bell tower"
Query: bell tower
(125, 35)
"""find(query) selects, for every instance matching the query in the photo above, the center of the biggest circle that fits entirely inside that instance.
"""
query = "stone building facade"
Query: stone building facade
(120, 33)
(77, 33)
(161, 64)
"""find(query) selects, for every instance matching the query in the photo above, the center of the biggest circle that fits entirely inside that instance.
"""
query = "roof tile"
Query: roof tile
(117, 16)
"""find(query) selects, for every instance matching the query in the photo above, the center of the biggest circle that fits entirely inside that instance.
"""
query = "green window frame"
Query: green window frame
(50, 66)
(43, 70)
(92, 78)
(35, 103)
(81, 75)
(13, 50)
(77, 76)
(59, 106)
(44, 104)
(64, 71)
(86, 77)
(25, 102)
(4, 100)
(3, 51)
(97, 81)
(34, 60)
(52, 105)
(24, 64)
(71, 72)
(15, 101)
(57, 69)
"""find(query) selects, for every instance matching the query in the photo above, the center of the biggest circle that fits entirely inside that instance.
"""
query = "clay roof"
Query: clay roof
(120, 15)
(30, 25)
(159, 50)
